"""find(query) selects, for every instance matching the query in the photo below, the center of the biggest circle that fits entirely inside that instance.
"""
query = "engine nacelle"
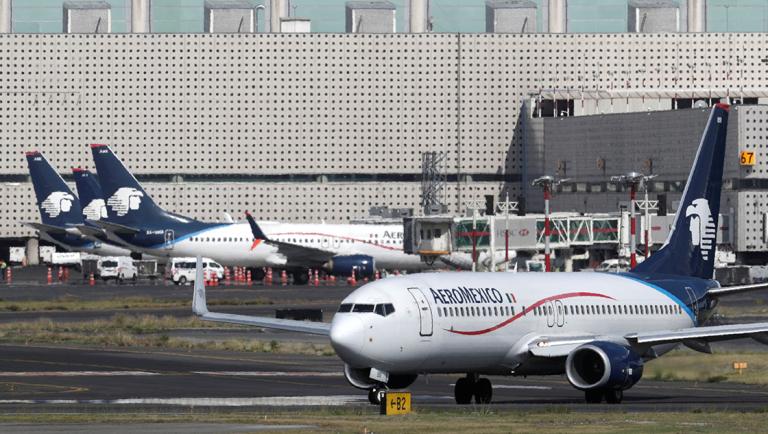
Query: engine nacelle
(359, 377)
(603, 365)
(343, 265)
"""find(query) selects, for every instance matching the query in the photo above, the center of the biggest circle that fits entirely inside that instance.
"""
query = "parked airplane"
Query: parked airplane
(134, 220)
(597, 328)
(60, 211)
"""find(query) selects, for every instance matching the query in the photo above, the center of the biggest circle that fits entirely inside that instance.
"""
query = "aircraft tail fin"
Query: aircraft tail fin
(91, 196)
(690, 247)
(126, 201)
(57, 204)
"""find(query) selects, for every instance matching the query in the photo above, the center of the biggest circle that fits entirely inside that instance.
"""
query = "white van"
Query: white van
(182, 270)
(117, 267)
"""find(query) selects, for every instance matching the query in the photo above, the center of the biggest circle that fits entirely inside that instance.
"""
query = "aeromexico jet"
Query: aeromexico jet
(134, 220)
(60, 211)
(597, 328)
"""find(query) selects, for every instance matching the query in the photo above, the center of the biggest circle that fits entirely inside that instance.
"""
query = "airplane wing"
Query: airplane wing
(756, 331)
(730, 290)
(46, 228)
(696, 338)
(200, 308)
(294, 253)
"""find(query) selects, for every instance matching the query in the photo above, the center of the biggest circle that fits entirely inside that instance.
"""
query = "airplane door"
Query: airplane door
(549, 312)
(169, 239)
(559, 313)
(425, 311)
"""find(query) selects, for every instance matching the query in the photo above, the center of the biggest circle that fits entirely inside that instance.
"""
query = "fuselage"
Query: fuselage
(485, 322)
(233, 243)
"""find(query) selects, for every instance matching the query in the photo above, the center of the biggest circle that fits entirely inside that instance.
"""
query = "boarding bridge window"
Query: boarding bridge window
(553, 108)
(345, 307)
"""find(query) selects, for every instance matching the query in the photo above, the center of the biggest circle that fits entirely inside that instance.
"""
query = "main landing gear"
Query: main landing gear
(472, 386)
(612, 396)
(376, 394)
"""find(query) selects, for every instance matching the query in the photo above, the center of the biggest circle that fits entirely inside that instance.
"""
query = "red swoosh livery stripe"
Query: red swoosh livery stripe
(530, 308)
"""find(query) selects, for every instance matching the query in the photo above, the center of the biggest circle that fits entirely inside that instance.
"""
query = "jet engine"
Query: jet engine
(603, 365)
(343, 265)
(359, 377)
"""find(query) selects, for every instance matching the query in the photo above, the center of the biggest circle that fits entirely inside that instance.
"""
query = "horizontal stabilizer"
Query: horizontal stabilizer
(115, 227)
(200, 308)
(51, 229)
(730, 290)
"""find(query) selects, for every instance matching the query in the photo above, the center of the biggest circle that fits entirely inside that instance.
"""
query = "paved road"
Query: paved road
(33, 376)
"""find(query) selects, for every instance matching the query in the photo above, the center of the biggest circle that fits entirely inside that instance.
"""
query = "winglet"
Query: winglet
(199, 305)
(255, 229)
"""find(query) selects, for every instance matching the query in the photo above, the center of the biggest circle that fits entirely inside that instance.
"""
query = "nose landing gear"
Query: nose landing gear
(376, 394)
(471, 386)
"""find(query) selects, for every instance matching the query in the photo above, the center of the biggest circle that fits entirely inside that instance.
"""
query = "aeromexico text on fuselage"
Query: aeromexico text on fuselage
(463, 294)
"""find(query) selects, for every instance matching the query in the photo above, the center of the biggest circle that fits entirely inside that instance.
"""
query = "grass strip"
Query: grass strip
(69, 303)
(467, 419)
(124, 330)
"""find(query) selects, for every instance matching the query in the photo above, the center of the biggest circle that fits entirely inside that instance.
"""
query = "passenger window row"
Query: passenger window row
(476, 311)
(623, 309)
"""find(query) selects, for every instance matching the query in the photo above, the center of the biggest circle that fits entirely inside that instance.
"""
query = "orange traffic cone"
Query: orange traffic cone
(50, 276)
(332, 279)
(377, 276)
(226, 276)
(248, 278)
(268, 280)
(9, 276)
(317, 278)
(352, 279)
(91, 280)
(284, 278)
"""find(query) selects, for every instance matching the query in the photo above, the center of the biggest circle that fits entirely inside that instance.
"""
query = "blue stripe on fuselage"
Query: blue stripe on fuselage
(671, 296)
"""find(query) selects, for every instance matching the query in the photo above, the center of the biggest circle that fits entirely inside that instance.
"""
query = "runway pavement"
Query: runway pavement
(34, 376)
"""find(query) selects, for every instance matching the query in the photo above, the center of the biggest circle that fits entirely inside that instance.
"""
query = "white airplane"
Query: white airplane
(597, 328)
(136, 222)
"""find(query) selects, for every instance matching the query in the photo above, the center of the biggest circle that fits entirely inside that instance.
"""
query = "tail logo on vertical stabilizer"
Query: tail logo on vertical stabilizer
(96, 210)
(56, 203)
(702, 226)
(124, 200)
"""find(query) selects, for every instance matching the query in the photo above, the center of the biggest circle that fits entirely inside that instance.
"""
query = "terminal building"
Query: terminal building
(320, 111)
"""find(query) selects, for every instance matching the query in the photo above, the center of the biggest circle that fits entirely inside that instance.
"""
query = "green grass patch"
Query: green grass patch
(124, 330)
(69, 303)
(687, 365)
(363, 419)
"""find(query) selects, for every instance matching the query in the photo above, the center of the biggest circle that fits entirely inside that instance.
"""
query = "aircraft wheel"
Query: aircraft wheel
(182, 281)
(462, 391)
(593, 396)
(483, 391)
(613, 396)
(376, 395)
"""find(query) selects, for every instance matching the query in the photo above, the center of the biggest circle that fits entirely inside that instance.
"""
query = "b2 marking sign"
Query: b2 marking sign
(396, 403)
(747, 158)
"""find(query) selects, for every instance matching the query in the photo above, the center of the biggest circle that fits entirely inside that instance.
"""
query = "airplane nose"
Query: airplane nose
(347, 336)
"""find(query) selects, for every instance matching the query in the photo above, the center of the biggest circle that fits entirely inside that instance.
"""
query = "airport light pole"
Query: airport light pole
(547, 183)
(475, 205)
(506, 207)
(647, 205)
(632, 180)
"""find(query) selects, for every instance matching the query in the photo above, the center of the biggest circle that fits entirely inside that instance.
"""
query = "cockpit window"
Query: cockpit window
(389, 309)
(345, 307)
(363, 308)
(379, 310)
